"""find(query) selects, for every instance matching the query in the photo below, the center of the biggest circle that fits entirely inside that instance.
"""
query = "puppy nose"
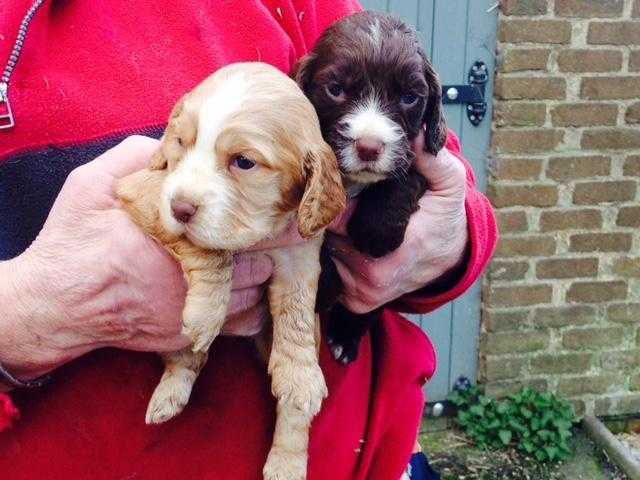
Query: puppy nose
(183, 211)
(369, 149)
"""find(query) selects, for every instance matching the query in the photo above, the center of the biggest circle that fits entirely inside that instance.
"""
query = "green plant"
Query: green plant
(538, 424)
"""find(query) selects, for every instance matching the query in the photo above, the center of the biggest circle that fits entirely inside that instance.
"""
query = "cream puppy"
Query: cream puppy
(242, 157)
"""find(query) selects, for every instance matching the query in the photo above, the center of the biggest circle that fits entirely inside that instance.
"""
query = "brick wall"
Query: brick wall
(562, 297)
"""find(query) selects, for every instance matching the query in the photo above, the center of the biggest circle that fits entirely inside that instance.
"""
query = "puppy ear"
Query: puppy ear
(302, 72)
(433, 119)
(159, 160)
(324, 197)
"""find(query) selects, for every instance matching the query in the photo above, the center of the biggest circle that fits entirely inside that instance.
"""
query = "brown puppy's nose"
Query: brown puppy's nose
(183, 211)
(369, 149)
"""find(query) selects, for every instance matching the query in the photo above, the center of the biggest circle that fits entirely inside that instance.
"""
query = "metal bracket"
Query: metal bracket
(473, 93)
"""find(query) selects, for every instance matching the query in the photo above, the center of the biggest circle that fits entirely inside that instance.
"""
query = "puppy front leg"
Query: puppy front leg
(297, 381)
(181, 369)
(208, 276)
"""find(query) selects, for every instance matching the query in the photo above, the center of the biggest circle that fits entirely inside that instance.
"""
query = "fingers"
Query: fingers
(247, 323)
(444, 172)
(245, 299)
(129, 156)
(339, 225)
(251, 269)
(290, 236)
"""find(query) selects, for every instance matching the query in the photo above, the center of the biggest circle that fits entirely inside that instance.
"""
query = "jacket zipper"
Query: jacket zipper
(7, 120)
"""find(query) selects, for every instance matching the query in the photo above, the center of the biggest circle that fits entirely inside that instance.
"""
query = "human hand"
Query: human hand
(434, 243)
(92, 278)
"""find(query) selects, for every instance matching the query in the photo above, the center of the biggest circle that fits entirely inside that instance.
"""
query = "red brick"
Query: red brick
(590, 60)
(558, 363)
(632, 116)
(600, 242)
(563, 316)
(584, 114)
(512, 221)
(525, 195)
(552, 220)
(591, 193)
(607, 88)
(519, 114)
(634, 61)
(569, 168)
(540, 245)
(631, 166)
(527, 141)
(501, 368)
(589, 8)
(624, 312)
(518, 296)
(515, 342)
(611, 138)
(614, 33)
(518, 168)
(596, 292)
(523, 7)
(636, 9)
(628, 217)
(592, 338)
(593, 384)
(530, 88)
(523, 59)
(504, 320)
(627, 267)
(507, 270)
(567, 268)
(535, 31)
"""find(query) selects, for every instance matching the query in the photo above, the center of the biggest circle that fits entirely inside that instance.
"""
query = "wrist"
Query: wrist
(24, 350)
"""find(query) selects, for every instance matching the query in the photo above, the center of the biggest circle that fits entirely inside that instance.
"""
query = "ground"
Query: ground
(456, 458)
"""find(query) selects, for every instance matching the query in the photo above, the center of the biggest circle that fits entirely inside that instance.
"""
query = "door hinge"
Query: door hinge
(472, 93)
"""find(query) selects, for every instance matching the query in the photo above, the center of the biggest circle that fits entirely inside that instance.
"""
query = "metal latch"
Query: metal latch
(472, 93)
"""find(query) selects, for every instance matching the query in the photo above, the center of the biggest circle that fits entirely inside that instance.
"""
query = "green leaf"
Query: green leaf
(528, 446)
(505, 436)
(526, 413)
(477, 410)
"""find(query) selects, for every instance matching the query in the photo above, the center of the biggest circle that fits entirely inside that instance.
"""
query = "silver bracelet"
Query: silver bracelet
(11, 381)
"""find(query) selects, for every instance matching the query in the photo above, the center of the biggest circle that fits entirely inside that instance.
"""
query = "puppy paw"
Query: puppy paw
(343, 350)
(284, 465)
(303, 387)
(167, 401)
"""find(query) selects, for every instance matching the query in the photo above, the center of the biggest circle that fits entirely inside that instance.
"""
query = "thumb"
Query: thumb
(129, 156)
(445, 173)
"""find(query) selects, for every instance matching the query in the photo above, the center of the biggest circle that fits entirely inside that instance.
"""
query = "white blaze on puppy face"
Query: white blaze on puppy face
(368, 120)
(230, 214)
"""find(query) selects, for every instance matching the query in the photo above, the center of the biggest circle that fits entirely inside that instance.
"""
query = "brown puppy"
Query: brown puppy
(242, 155)
(374, 90)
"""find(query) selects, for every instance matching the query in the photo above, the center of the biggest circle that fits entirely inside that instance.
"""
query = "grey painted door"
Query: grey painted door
(456, 33)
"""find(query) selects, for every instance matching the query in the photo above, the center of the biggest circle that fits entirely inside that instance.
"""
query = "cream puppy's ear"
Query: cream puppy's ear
(178, 136)
(324, 196)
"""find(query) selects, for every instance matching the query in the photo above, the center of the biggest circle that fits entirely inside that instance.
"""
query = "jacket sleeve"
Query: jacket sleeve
(483, 236)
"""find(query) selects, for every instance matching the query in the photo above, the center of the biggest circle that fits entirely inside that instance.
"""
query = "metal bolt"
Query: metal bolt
(452, 93)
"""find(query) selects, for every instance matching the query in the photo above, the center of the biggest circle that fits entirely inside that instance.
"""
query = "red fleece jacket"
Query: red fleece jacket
(97, 69)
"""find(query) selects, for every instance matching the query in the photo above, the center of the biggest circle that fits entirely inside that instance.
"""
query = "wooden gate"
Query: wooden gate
(456, 34)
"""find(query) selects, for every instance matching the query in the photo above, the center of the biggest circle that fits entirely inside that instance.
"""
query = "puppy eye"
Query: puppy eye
(408, 99)
(179, 140)
(335, 91)
(243, 163)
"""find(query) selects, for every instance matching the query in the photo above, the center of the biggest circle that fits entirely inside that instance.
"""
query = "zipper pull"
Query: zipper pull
(6, 115)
